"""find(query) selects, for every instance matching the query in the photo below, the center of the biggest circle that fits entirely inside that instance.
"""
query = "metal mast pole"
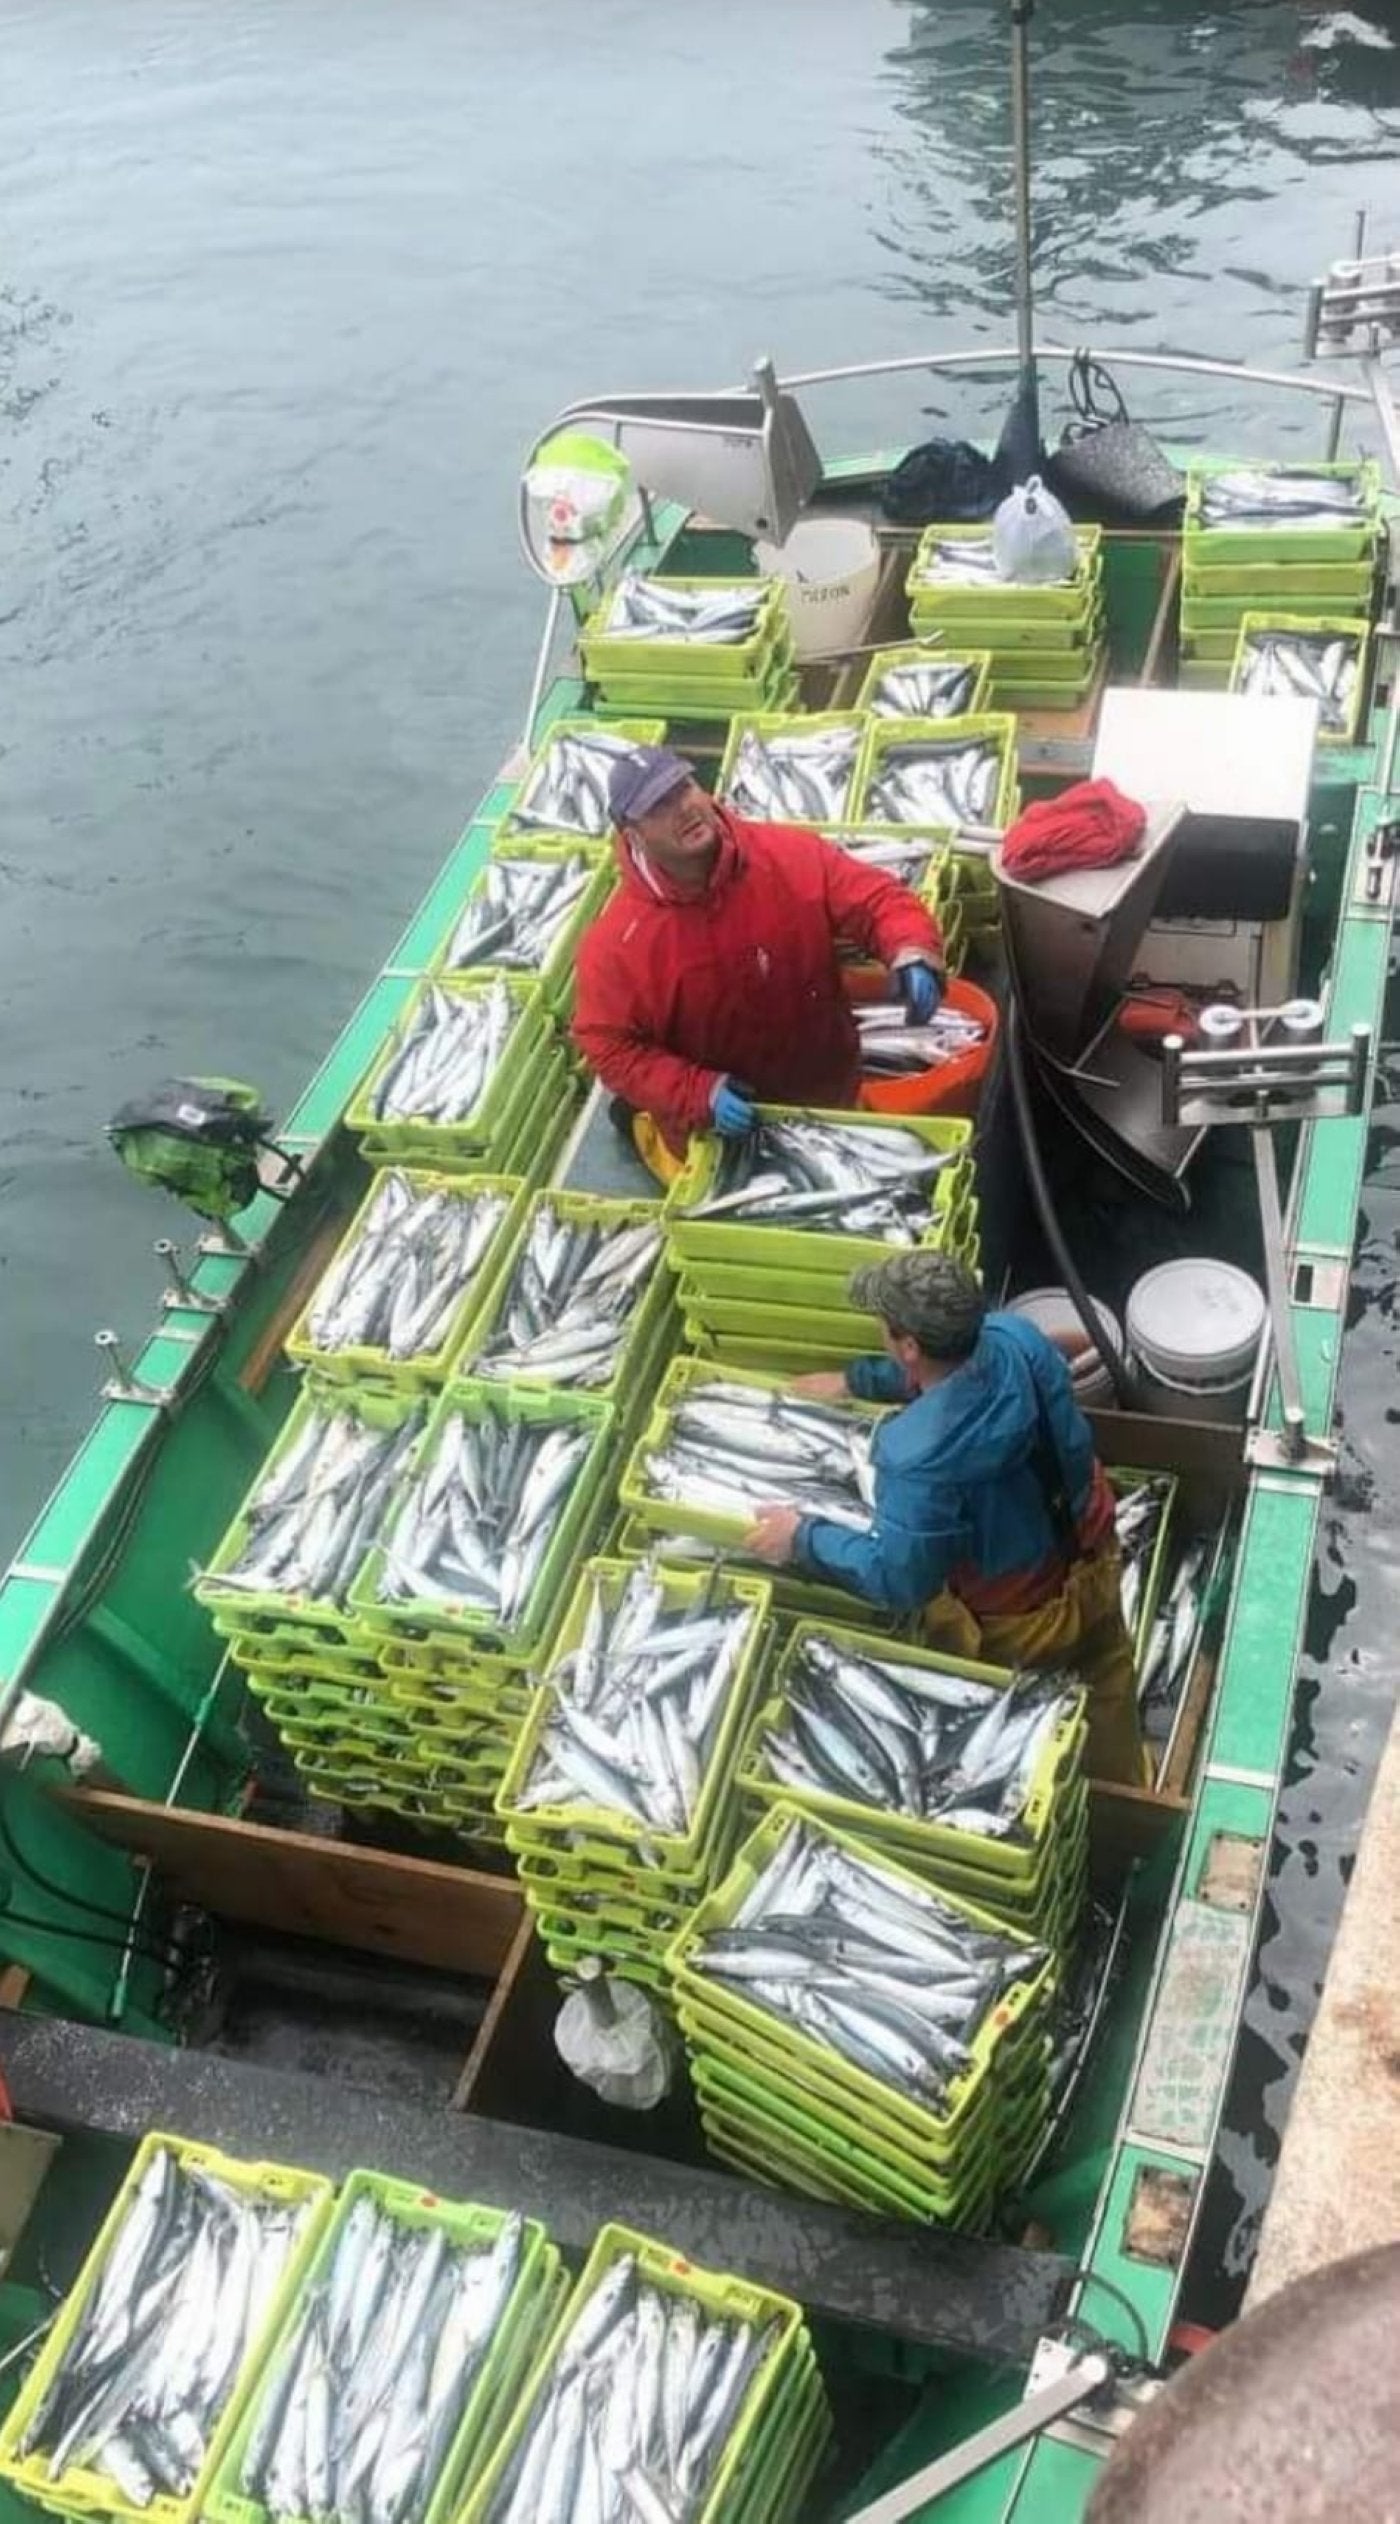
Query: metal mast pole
(1021, 12)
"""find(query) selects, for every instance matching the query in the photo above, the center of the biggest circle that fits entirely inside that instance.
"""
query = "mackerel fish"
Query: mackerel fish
(567, 792)
(797, 778)
(867, 1964)
(178, 2306)
(360, 2411)
(906, 1739)
(1171, 1642)
(907, 856)
(891, 1049)
(1287, 496)
(940, 689)
(653, 609)
(1305, 666)
(730, 1449)
(925, 781)
(846, 1179)
(397, 1285)
(314, 1516)
(1137, 1521)
(568, 1306)
(475, 1522)
(630, 2421)
(517, 914)
(447, 1058)
(965, 561)
(639, 1706)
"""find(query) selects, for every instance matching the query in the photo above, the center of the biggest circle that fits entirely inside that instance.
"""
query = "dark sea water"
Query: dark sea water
(287, 287)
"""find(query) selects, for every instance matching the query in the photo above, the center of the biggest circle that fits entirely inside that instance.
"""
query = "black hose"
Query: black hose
(1045, 1209)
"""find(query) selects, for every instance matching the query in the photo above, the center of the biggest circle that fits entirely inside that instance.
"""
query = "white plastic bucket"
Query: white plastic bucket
(830, 566)
(1054, 1311)
(1194, 1329)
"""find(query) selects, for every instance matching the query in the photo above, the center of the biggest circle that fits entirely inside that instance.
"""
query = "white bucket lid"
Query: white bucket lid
(1197, 1321)
(1053, 1310)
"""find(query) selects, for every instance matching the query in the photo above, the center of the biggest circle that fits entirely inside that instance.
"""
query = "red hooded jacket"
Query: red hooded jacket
(676, 989)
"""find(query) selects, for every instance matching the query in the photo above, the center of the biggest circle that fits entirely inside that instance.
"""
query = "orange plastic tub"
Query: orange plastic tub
(955, 1088)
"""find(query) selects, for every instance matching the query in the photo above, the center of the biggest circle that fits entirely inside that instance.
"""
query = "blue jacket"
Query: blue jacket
(959, 1500)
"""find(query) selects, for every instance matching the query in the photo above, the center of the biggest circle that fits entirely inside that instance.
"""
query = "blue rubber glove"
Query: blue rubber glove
(732, 1107)
(921, 989)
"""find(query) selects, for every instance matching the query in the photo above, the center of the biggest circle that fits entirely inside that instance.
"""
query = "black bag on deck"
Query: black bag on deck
(1108, 469)
(949, 482)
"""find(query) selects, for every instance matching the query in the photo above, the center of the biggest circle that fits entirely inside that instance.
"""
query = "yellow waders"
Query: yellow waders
(658, 1158)
(1082, 1626)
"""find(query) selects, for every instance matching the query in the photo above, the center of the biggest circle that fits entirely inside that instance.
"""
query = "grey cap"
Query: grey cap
(933, 1296)
(640, 780)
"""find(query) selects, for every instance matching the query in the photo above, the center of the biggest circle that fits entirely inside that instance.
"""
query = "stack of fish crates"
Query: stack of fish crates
(694, 648)
(521, 1333)
(433, 1099)
(455, 1668)
(1253, 544)
(288, 1621)
(366, 1322)
(526, 911)
(1047, 643)
(901, 1747)
(599, 1869)
(778, 1296)
(489, 2285)
(743, 2450)
(157, 2379)
(793, 767)
(921, 2108)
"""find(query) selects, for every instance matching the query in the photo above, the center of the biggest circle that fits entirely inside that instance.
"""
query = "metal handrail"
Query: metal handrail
(1183, 363)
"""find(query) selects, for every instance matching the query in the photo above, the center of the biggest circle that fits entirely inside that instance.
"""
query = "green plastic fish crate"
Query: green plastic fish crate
(426, 1367)
(919, 1844)
(976, 662)
(752, 2154)
(374, 1405)
(940, 603)
(662, 1854)
(571, 1517)
(641, 731)
(700, 705)
(931, 2134)
(1213, 546)
(532, 2307)
(793, 1597)
(483, 1132)
(285, 1649)
(84, 2493)
(606, 657)
(984, 728)
(555, 971)
(765, 725)
(1295, 587)
(718, 2296)
(672, 1516)
(836, 1333)
(1321, 626)
(566, 1945)
(544, 1119)
(1203, 674)
(695, 1241)
(632, 1379)
(763, 2116)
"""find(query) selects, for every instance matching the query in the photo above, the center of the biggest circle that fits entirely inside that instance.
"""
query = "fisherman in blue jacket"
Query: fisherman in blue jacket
(991, 1511)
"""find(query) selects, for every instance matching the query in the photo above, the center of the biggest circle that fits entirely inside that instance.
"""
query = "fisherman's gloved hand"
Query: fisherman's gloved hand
(732, 1107)
(921, 989)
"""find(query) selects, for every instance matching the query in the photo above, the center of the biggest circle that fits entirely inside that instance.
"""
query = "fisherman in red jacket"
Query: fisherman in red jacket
(711, 980)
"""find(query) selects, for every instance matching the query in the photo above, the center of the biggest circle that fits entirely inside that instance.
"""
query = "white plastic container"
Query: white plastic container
(830, 567)
(1054, 1311)
(1194, 1329)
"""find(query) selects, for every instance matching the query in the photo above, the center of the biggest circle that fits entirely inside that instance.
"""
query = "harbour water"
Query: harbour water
(286, 287)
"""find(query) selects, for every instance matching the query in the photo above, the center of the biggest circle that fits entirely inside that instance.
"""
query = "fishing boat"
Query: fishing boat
(174, 1795)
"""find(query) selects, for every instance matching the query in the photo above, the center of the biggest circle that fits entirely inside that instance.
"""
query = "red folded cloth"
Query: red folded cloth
(1091, 825)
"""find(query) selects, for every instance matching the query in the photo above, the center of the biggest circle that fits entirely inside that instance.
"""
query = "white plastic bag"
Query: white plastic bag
(1032, 539)
(615, 2038)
